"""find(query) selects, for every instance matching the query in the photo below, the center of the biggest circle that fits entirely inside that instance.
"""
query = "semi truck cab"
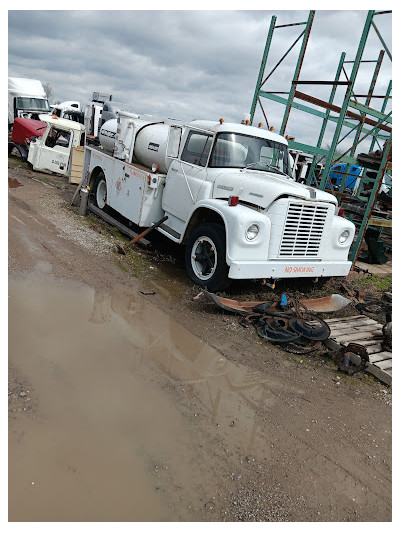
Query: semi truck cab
(52, 151)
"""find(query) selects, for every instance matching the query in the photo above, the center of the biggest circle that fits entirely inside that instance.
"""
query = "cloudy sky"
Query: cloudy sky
(191, 64)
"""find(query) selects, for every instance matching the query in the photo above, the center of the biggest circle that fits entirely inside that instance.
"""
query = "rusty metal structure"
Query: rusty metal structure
(361, 121)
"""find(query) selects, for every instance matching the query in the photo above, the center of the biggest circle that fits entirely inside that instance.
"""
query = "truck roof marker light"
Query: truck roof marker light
(221, 120)
(233, 200)
(260, 124)
(271, 128)
(247, 122)
(289, 138)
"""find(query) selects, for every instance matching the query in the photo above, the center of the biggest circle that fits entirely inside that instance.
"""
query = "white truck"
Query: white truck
(229, 195)
(100, 110)
(92, 114)
(60, 110)
(52, 151)
(26, 98)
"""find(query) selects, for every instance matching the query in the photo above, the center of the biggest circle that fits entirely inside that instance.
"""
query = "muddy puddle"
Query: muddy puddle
(108, 435)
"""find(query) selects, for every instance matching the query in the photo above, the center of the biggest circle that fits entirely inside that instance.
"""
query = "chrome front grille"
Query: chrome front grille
(303, 230)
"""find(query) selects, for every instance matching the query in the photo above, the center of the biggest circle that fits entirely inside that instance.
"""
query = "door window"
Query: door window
(197, 148)
(58, 137)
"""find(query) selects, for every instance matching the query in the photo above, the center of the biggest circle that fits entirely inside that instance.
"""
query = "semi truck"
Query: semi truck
(230, 196)
(26, 98)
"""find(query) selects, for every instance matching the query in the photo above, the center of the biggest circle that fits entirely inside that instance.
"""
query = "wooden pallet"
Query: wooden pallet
(366, 332)
(75, 171)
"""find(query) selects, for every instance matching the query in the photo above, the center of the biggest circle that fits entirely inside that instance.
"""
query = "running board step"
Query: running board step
(171, 231)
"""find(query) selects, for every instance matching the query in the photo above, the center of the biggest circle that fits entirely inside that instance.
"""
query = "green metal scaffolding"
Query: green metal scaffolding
(360, 119)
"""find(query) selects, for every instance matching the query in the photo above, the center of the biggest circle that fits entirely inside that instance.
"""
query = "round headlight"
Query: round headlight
(252, 232)
(344, 236)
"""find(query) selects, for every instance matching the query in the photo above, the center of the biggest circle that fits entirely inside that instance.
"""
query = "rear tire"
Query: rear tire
(99, 193)
(205, 257)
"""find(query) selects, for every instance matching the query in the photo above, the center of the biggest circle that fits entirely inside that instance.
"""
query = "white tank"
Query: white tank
(107, 135)
(150, 140)
(151, 145)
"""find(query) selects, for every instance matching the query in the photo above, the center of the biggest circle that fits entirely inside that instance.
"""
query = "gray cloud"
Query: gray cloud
(189, 64)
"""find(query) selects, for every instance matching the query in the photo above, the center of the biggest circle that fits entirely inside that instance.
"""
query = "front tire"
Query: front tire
(205, 257)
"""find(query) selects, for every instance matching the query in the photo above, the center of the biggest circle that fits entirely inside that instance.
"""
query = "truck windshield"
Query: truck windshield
(235, 150)
(32, 104)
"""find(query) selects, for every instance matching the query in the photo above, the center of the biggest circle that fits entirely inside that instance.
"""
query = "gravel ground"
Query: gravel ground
(293, 441)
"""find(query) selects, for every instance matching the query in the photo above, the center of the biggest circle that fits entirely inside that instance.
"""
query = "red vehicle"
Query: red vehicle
(23, 130)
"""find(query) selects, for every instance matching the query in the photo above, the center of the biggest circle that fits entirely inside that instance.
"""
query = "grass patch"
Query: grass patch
(382, 284)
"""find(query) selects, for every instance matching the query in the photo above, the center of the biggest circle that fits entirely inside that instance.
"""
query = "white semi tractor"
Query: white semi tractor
(229, 194)
(26, 99)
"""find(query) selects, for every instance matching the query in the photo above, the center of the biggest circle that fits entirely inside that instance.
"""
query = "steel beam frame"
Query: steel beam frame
(343, 115)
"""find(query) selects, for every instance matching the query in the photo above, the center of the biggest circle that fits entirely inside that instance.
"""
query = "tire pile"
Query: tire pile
(291, 326)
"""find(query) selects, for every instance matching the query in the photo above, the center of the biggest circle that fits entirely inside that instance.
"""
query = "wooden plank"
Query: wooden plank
(383, 375)
(347, 319)
(357, 325)
(374, 349)
(383, 365)
(365, 327)
(361, 327)
(357, 336)
(382, 356)
(368, 331)
(368, 343)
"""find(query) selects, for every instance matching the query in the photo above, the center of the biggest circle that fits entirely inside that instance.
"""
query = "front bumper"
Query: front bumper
(288, 269)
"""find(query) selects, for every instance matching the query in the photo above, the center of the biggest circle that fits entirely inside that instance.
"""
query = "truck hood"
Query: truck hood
(25, 128)
(263, 188)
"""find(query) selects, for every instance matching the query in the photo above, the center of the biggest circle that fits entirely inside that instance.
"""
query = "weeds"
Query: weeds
(382, 284)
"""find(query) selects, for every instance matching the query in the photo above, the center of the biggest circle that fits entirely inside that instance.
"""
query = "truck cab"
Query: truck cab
(52, 151)
(26, 99)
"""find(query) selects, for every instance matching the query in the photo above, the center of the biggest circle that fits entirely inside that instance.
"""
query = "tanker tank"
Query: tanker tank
(151, 145)
(147, 134)
(107, 135)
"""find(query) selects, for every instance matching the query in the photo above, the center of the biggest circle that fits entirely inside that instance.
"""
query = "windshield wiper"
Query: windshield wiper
(249, 165)
(277, 170)
(265, 167)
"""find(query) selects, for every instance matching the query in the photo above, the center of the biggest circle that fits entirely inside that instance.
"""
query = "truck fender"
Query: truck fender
(23, 152)
(236, 220)
(94, 174)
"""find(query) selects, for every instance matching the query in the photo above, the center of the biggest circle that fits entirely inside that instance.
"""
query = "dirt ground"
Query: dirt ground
(232, 428)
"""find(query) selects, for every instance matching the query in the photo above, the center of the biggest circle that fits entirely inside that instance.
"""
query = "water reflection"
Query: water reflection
(227, 390)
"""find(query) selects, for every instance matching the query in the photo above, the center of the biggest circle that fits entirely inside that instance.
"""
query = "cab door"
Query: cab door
(55, 151)
(187, 174)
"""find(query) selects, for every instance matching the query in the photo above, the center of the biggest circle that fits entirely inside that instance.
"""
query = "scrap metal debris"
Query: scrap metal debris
(291, 325)
(351, 358)
(328, 304)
